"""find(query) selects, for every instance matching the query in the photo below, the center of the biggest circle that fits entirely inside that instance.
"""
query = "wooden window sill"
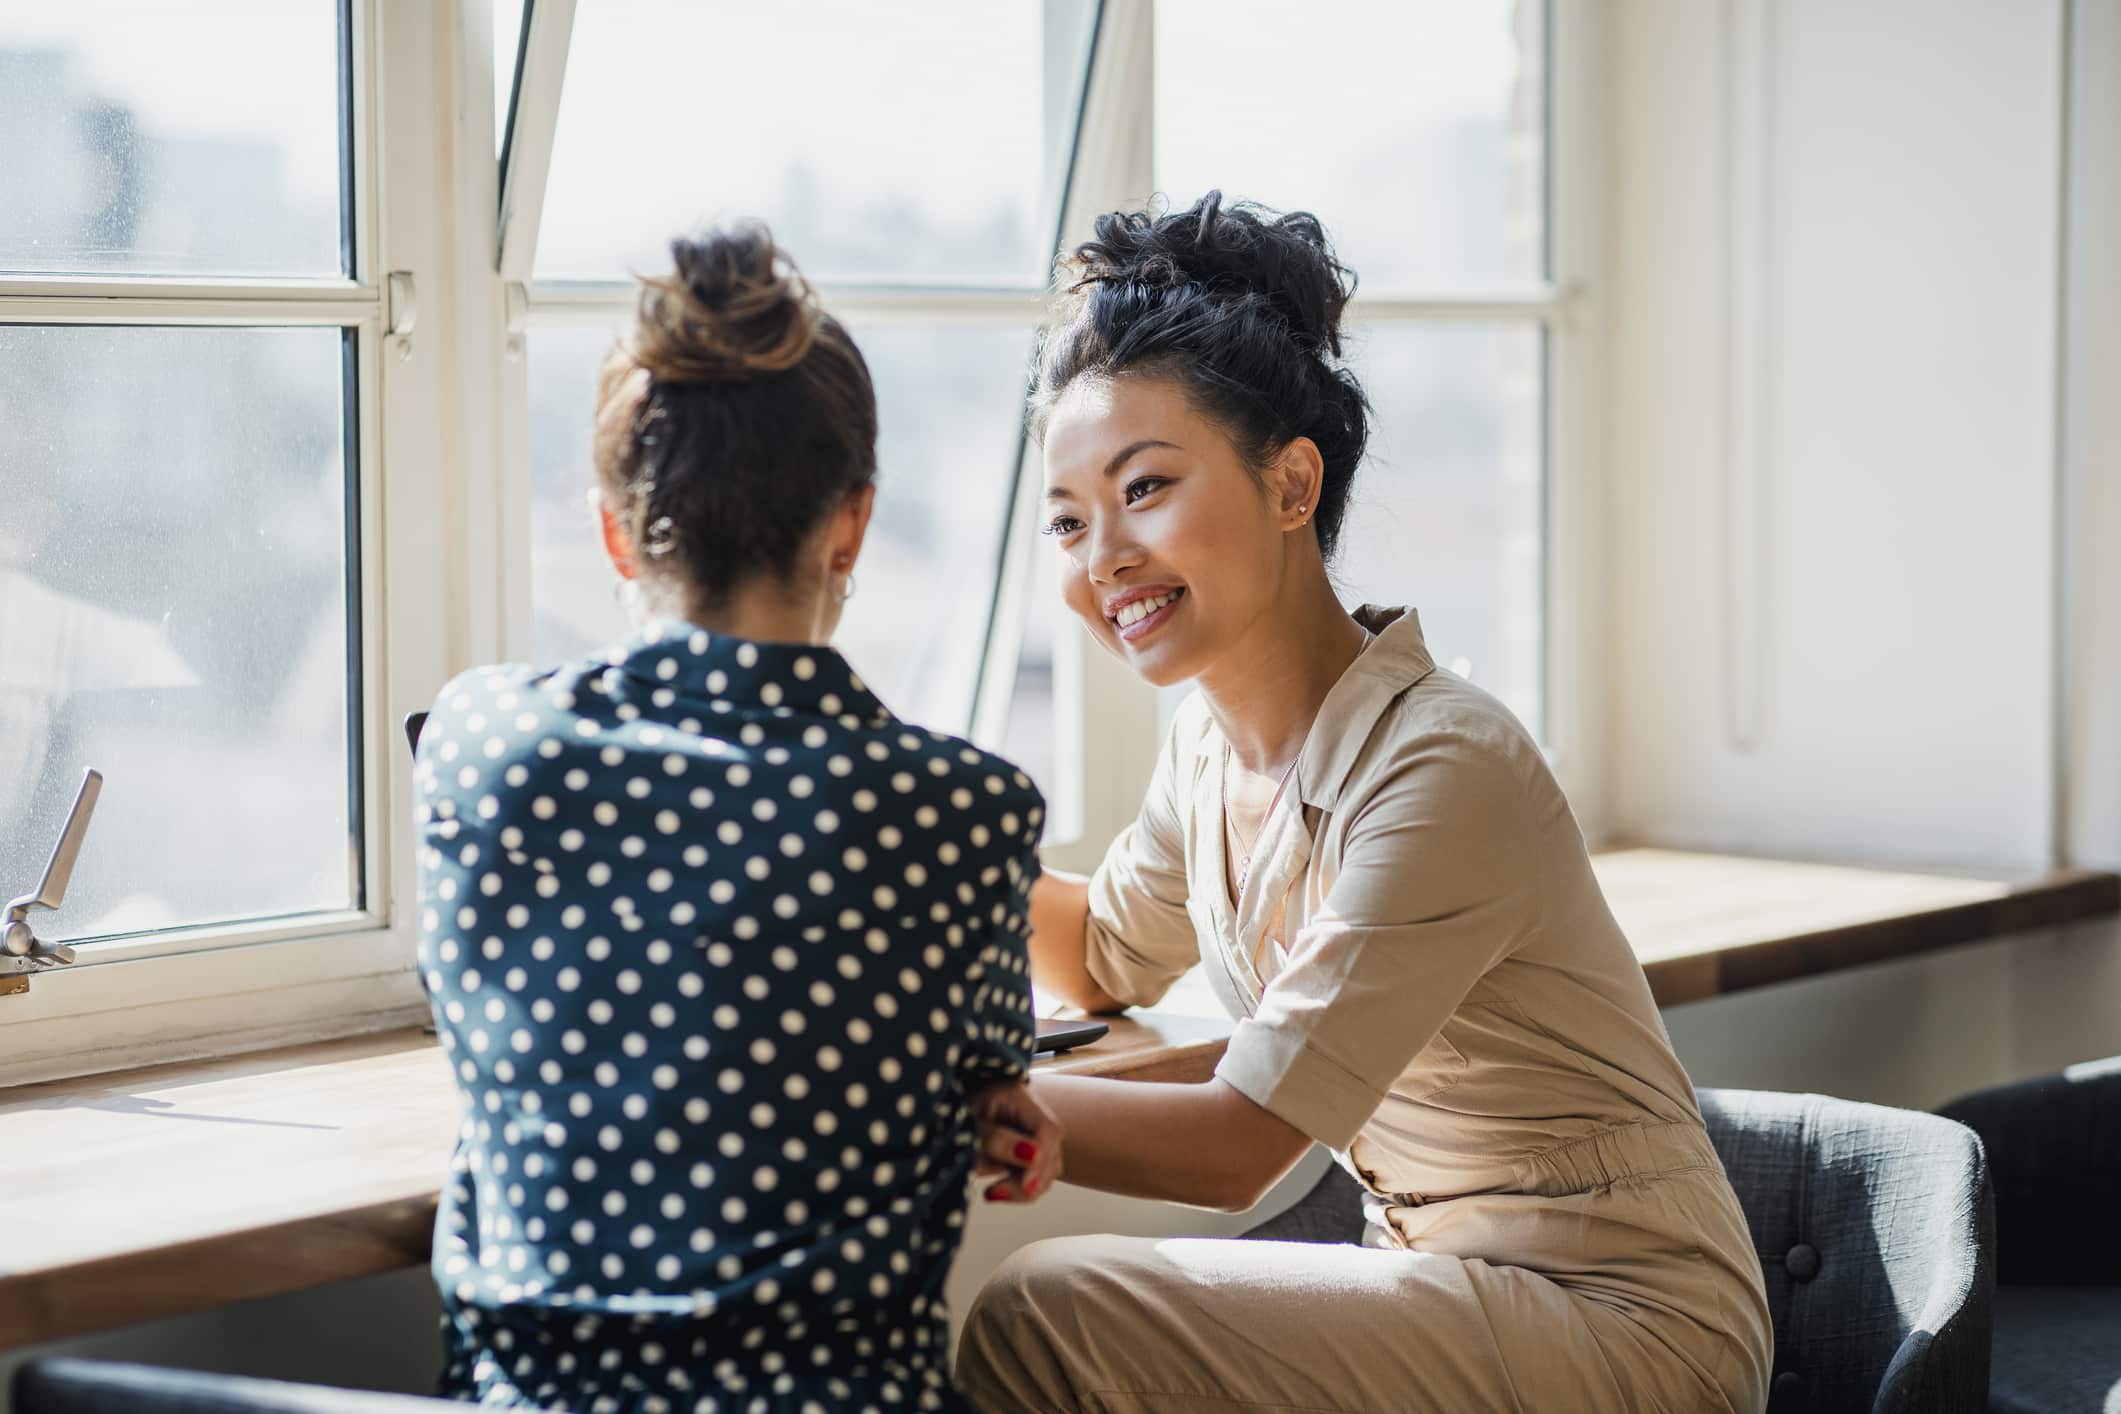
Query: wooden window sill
(156, 1192)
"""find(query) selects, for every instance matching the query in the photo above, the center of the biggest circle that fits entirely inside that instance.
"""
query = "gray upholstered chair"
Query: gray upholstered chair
(1875, 1233)
(67, 1386)
(2054, 1145)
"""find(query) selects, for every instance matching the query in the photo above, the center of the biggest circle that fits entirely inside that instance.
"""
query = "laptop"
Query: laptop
(1054, 1036)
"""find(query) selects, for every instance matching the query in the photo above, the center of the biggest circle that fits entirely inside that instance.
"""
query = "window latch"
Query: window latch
(402, 309)
(22, 953)
(515, 301)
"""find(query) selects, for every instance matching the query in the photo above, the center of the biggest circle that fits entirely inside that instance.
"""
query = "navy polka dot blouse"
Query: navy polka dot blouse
(718, 949)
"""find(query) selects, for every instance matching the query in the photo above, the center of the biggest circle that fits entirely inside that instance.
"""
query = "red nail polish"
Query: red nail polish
(1026, 1150)
(1030, 1187)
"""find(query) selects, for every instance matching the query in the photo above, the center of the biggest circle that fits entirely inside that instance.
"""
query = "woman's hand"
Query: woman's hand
(1018, 1140)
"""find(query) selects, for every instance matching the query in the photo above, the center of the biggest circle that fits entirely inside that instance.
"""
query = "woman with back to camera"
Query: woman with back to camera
(1384, 884)
(728, 961)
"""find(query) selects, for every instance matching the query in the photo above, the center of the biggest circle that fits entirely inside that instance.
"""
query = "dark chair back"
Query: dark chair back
(2055, 1144)
(1876, 1233)
(66, 1386)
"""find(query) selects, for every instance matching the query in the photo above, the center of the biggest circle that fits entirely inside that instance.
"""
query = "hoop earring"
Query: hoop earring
(843, 595)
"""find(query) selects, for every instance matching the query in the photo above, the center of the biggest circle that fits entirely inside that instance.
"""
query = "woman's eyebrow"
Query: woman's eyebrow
(1119, 459)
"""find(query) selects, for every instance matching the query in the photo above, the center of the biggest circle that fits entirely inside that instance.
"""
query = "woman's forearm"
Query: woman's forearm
(1205, 1145)
(1060, 922)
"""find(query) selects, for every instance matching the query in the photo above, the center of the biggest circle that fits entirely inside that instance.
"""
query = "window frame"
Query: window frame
(1096, 698)
(223, 987)
(442, 481)
(558, 303)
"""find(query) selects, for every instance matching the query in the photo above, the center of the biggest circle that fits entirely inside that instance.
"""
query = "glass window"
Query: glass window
(949, 404)
(139, 138)
(1422, 153)
(175, 611)
(884, 143)
(1448, 510)
(1428, 169)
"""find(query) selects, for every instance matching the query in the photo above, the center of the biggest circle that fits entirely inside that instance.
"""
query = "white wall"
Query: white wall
(1906, 409)
(1893, 393)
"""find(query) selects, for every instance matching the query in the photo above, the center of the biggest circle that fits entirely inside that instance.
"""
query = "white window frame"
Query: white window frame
(221, 988)
(1097, 698)
(606, 303)
(443, 482)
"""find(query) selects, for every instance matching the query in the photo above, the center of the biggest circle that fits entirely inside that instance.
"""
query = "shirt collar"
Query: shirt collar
(1394, 662)
(804, 678)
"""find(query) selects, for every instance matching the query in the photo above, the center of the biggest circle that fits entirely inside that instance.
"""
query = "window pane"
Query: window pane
(1422, 152)
(884, 143)
(1448, 509)
(143, 138)
(949, 400)
(174, 612)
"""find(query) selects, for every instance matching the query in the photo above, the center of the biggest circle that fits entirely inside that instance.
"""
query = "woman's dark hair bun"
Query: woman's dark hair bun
(732, 417)
(734, 307)
(1243, 250)
(1238, 305)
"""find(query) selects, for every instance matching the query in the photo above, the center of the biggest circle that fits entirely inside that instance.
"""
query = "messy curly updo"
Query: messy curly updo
(732, 417)
(1238, 305)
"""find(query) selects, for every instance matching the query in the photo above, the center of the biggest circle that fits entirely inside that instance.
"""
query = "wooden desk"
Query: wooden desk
(157, 1192)
(1706, 925)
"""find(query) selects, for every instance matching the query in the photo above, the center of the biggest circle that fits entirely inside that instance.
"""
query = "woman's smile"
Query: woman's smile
(1141, 613)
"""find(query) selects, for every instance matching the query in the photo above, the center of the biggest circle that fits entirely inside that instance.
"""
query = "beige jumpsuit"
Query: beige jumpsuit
(1427, 981)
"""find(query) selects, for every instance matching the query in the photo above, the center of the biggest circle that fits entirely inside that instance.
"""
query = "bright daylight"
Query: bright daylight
(1120, 706)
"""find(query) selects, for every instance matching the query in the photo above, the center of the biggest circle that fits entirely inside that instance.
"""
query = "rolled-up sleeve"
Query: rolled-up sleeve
(1431, 894)
(1140, 938)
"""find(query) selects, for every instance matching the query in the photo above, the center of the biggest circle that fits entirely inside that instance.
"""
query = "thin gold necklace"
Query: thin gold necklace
(1244, 861)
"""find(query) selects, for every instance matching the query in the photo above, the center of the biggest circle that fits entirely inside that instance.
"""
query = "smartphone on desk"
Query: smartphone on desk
(1056, 1035)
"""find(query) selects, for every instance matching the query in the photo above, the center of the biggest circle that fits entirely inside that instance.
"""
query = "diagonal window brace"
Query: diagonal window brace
(22, 953)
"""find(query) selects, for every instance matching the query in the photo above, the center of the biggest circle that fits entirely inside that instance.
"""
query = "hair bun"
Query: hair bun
(735, 307)
(1239, 251)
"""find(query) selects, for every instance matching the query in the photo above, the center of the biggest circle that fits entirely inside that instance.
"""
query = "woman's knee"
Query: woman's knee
(1023, 1291)
(1018, 1347)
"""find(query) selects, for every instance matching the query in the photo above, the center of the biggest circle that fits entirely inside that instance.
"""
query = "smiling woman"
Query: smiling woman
(1267, 411)
(1425, 974)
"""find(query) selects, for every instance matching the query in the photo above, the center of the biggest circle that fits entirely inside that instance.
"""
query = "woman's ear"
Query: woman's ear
(616, 543)
(843, 541)
(1295, 479)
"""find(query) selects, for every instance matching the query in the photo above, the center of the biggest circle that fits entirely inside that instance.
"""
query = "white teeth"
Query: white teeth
(1140, 609)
